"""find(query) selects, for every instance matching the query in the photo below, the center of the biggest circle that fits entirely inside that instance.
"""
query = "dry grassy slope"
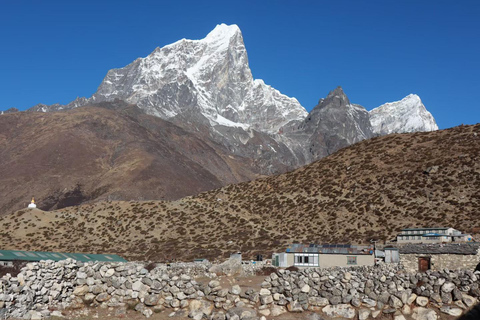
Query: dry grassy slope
(368, 190)
(86, 154)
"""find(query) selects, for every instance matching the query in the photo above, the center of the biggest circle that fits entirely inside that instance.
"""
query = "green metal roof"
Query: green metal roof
(10, 255)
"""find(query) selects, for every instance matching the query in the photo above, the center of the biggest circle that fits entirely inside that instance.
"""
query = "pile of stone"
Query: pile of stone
(45, 288)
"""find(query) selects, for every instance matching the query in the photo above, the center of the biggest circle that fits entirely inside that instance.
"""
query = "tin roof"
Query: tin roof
(11, 255)
(470, 248)
(330, 249)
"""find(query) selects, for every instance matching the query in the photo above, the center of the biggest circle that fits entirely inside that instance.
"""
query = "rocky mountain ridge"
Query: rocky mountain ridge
(207, 84)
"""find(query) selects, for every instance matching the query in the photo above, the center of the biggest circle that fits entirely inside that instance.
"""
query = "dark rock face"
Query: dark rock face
(333, 124)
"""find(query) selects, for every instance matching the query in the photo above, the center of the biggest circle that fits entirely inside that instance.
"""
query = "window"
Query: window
(351, 260)
(306, 259)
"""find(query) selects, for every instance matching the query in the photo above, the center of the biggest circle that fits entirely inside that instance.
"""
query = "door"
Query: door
(423, 264)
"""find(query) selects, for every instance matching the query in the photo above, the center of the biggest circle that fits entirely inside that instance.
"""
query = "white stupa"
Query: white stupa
(32, 204)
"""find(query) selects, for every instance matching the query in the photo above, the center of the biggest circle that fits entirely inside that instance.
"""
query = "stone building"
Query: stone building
(432, 235)
(422, 257)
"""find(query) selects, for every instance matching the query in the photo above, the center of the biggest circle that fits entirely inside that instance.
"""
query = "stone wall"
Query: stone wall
(45, 288)
(441, 261)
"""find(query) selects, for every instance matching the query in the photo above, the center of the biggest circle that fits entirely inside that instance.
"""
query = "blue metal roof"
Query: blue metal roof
(11, 255)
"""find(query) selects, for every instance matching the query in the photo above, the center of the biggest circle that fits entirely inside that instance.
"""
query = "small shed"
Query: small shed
(8, 256)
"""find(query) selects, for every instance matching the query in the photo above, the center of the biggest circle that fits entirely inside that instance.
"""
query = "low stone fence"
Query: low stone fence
(370, 291)
(45, 288)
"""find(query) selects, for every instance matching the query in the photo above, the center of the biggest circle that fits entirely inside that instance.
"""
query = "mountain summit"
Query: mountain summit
(210, 75)
(406, 115)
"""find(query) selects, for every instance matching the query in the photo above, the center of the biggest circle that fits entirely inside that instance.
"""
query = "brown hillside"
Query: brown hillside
(76, 156)
(368, 190)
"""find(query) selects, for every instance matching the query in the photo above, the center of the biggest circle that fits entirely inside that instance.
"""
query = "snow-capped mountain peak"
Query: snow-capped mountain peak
(406, 115)
(210, 75)
(222, 32)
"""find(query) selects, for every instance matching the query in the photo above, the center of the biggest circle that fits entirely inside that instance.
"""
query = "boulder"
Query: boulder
(151, 300)
(264, 312)
(102, 297)
(294, 306)
(265, 292)
(411, 298)
(448, 287)
(277, 310)
(266, 299)
(81, 291)
(395, 302)
(147, 312)
(369, 302)
(340, 310)
(214, 284)
(305, 288)
(469, 300)
(317, 301)
(421, 313)
(406, 309)
(363, 314)
(398, 316)
(422, 301)
(376, 313)
(236, 289)
(200, 307)
(460, 304)
(456, 312)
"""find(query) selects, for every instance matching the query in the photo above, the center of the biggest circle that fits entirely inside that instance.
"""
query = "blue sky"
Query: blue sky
(378, 51)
